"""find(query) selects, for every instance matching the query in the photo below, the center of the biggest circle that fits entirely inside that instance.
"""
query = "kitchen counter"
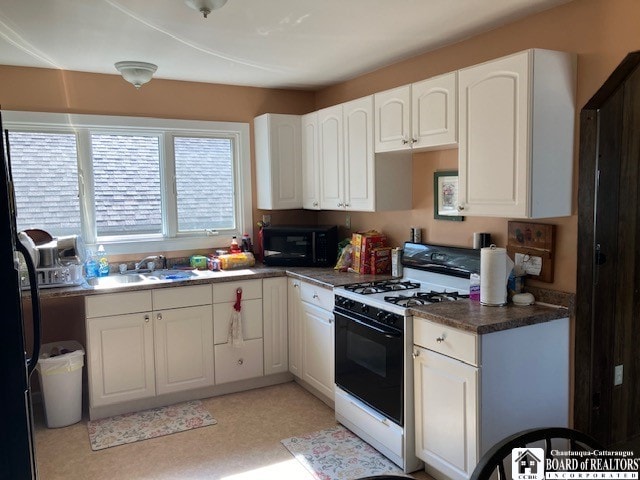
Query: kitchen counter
(476, 318)
(323, 277)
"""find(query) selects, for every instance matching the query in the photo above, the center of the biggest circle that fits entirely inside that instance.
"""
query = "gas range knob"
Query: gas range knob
(364, 308)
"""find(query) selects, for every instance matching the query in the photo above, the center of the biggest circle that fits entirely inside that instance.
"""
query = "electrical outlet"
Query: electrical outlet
(266, 219)
(617, 375)
(347, 222)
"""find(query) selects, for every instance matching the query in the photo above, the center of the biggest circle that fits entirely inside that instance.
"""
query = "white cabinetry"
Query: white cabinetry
(311, 336)
(242, 362)
(274, 310)
(466, 387)
(352, 177)
(182, 338)
(422, 115)
(278, 161)
(516, 135)
(310, 162)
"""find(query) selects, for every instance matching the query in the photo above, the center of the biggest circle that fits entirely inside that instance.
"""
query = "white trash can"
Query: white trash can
(60, 372)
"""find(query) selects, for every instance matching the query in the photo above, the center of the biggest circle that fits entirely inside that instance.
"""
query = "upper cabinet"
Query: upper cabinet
(278, 164)
(352, 177)
(516, 135)
(417, 116)
(310, 162)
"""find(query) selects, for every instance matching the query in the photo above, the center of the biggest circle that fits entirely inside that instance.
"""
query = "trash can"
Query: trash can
(60, 373)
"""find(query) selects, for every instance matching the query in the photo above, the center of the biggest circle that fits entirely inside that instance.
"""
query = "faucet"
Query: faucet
(161, 262)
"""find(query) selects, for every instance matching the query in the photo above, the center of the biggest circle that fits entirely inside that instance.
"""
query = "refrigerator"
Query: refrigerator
(17, 359)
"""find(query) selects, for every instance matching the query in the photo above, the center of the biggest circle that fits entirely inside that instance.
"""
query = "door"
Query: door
(120, 350)
(359, 163)
(434, 105)
(183, 348)
(393, 117)
(310, 162)
(607, 358)
(274, 316)
(446, 413)
(331, 157)
(294, 320)
(317, 361)
(494, 140)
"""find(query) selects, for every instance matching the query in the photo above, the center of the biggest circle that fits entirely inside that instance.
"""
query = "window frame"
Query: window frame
(166, 129)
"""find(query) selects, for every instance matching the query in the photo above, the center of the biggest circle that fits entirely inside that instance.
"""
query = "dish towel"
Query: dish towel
(235, 325)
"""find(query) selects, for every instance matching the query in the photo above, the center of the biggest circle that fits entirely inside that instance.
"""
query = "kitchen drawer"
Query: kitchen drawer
(226, 292)
(251, 318)
(238, 363)
(117, 303)
(368, 420)
(315, 295)
(176, 297)
(449, 341)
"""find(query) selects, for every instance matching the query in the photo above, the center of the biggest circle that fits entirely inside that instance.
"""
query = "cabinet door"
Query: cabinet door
(433, 111)
(294, 320)
(278, 165)
(238, 363)
(359, 162)
(393, 117)
(183, 348)
(446, 413)
(274, 311)
(250, 316)
(331, 157)
(310, 162)
(318, 348)
(120, 358)
(493, 155)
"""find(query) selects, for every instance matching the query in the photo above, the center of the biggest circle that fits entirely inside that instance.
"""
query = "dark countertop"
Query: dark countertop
(476, 318)
(323, 277)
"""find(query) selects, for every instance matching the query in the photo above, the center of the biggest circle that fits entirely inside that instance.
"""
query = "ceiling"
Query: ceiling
(266, 43)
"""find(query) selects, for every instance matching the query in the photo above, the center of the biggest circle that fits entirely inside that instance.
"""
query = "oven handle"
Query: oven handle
(386, 333)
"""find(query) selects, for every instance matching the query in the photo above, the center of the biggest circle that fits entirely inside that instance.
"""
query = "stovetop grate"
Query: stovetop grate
(424, 298)
(382, 286)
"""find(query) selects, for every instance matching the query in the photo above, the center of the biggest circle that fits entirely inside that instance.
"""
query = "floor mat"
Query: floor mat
(156, 422)
(338, 454)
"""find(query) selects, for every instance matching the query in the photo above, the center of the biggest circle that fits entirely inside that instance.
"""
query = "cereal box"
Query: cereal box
(380, 260)
(363, 243)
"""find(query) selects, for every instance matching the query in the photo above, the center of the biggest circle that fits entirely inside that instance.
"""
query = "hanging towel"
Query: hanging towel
(235, 324)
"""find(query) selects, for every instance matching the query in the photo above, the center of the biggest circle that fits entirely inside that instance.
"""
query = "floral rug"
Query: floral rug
(156, 422)
(338, 454)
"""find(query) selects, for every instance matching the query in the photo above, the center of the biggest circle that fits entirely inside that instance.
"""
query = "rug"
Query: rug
(156, 422)
(338, 454)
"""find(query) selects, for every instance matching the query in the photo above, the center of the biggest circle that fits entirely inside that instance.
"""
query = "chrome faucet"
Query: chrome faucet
(161, 262)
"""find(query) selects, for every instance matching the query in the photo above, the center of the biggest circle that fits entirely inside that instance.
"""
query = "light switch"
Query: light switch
(617, 375)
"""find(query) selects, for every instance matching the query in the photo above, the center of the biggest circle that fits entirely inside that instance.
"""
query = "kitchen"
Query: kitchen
(600, 33)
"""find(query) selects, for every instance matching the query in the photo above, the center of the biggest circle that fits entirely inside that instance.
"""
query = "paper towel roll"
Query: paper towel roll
(495, 267)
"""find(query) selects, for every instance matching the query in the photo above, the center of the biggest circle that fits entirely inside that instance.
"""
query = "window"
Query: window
(136, 185)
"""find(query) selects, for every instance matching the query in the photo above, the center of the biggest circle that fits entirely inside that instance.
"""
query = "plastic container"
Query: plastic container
(60, 373)
(237, 260)
(474, 287)
(103, 262)
(91, 265)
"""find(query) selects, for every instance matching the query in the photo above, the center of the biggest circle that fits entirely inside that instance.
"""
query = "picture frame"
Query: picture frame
(445, 196)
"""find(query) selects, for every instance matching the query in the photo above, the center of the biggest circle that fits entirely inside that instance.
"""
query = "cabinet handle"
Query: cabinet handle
(415, 354)
(315, 295)
(460, 207)
(240, 362)
(296, 285)
(347, 204)
(441, 338)
(315, 204)
(159, 316)
(146, 318)
(405, 141)
(340, 204)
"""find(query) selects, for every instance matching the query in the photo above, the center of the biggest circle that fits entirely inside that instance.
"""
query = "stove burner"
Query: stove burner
(424, 298)
(382, 286)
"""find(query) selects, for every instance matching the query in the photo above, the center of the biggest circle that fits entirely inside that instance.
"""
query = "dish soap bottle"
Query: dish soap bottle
(103, 262)
(90, 266)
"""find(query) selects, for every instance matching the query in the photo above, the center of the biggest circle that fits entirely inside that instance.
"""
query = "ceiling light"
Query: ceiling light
(205, 6)
(136, 73)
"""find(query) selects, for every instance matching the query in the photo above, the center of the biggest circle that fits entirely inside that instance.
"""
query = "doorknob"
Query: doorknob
(601, 258)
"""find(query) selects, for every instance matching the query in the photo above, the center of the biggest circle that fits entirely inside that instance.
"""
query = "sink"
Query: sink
(135, 278)
(115, 280)
(168, 274)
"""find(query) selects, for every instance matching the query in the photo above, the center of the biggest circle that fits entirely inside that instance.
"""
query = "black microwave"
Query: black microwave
(300, 246)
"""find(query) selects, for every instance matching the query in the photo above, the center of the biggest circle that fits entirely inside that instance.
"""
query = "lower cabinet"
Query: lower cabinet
(311, 335)
(238, 363)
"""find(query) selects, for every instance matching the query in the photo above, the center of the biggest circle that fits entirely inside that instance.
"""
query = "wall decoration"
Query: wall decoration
(445, 196)
(531, 247)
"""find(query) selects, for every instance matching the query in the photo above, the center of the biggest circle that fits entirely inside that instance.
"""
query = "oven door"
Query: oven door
(369, 363)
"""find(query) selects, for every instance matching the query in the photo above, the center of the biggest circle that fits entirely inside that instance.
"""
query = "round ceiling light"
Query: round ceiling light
(205, 6)
(136, 73)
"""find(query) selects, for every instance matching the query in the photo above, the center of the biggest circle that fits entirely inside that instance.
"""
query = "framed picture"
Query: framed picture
(445, 196)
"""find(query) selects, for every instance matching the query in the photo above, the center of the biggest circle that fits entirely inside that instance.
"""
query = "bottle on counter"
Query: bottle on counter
(235, 248)
(246, 243)
(90, 265)
(103, 262)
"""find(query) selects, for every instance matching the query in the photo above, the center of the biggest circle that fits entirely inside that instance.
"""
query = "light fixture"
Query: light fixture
(205, 6)
(136, 73)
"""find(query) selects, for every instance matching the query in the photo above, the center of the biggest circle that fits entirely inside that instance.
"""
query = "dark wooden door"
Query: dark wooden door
(607, 393)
